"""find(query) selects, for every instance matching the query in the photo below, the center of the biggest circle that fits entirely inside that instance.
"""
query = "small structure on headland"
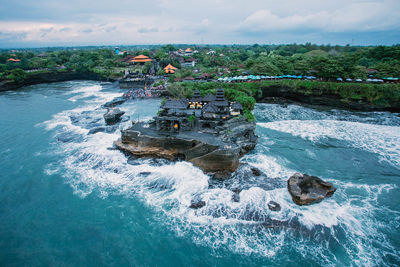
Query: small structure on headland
(207, 131)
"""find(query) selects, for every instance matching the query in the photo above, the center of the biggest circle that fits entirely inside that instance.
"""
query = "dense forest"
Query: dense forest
(323, 61)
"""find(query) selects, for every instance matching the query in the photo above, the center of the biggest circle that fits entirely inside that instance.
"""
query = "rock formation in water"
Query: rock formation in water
(212, 152)
(113, 116)
(307, 190)
(209, 132)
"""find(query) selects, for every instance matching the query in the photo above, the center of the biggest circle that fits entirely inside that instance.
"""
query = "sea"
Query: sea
(69, 198)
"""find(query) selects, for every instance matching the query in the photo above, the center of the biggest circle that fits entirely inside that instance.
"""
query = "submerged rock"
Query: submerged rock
(102, 129)
(274, 206)
(236, 195)
(69, 137)
(256, 172)
(113, 116)
(222, 175)
(197, 204)
(307, 190)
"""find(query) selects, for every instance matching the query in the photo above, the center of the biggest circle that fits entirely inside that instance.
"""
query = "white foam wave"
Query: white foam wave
(380, 139)
(268, 165)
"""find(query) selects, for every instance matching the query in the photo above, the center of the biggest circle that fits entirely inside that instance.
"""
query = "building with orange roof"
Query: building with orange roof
(13, 60)
(141, 59)
(170, 69)
(188, 52)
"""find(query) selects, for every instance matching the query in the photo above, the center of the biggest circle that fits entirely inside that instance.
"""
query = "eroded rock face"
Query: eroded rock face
(113, 116)
(307, 190)
(217, 152)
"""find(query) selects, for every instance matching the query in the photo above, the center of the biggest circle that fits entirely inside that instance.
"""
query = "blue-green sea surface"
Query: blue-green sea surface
(69, 198)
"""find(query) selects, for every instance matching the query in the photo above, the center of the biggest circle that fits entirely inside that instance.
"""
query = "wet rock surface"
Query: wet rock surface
(197, 204)
(274, 206)
(102, 129)
(307, 190)
(112, 116)
(216, 152)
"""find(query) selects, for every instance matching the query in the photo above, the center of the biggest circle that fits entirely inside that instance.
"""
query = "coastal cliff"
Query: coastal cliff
(49, 77)
(281, 93)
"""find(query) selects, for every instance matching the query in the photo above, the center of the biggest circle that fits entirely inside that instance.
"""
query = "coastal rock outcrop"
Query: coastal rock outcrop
(217, 151)
(307, 190)
(210, 132)
(113, 116)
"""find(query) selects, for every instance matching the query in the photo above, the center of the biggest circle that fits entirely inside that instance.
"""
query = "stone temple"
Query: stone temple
(196, 113)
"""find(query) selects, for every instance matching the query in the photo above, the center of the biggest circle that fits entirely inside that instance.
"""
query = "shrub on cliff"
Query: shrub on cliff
(16, 75)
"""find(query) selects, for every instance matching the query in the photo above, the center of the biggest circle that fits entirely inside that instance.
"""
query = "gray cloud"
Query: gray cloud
(147, 30)
(87, 31)
(111, 29)
(65, 29)
(213, 21)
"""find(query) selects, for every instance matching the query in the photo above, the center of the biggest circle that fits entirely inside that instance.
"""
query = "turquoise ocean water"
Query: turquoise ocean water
(69, 198)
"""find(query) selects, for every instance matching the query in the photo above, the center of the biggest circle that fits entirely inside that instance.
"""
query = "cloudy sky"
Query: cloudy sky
(35, 23)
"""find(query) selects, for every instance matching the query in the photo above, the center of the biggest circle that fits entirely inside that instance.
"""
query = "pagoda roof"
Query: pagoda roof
(221, 103)
(169, 66)
(170, 69)
(188, 49)
(196, 93)
(141, 58)
(209, 98)
(210, 108)
(237, 106)
(196, 96)
(220, 96)
(175, 104)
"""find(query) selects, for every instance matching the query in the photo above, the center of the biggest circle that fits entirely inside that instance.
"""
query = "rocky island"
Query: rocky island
(208, 131)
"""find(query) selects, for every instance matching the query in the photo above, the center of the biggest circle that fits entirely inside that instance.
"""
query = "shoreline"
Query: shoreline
(51, 77)
(270, 94)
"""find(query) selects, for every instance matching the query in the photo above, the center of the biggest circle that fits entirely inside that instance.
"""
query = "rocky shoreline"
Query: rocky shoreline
(285, 95)
(50, 77)
(270, 94)
(213, 153)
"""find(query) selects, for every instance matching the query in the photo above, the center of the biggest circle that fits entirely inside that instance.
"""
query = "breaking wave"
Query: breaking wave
(380, 139)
